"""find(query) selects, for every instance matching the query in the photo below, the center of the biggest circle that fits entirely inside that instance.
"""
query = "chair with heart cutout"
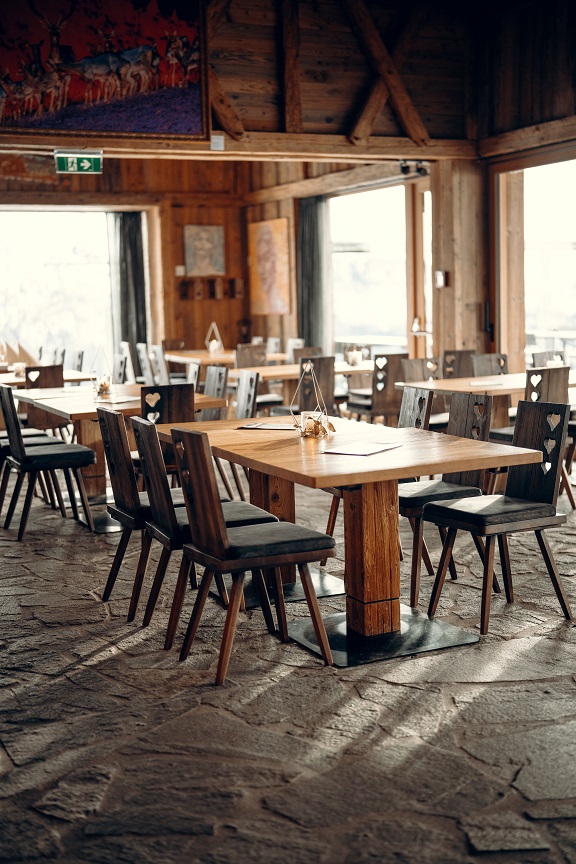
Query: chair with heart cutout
(382, 399)
(166, 403)
(529, 504)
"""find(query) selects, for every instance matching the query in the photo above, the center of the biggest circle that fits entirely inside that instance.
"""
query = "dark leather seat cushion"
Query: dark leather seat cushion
(282, 538)
(236, 514)
(418, 494)
(489, 510)
(59, 456)
(504, 434)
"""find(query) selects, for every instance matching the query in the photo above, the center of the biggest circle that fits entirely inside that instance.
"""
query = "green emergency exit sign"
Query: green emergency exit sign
(83, 162)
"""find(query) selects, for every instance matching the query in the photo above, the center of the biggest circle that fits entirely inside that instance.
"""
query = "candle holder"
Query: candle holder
(213, 339)
(315, 423)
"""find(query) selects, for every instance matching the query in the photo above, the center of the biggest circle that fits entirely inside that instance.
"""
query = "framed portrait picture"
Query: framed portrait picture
(204, 250)
(118, 67)
(269, 267)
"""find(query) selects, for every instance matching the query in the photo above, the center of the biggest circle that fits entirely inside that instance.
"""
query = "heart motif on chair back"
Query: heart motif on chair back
(553, 420)
(33, 375)
(152, 399)
(153, 416)
(535, 380)
(479, 409)
(545, 466)
(475, 432)
(549, 445)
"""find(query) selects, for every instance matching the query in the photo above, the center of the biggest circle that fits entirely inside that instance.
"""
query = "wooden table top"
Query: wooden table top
(221, 358)
(510, 384)
(80, 403)
(284, 454)
(291, 371)
(71, 376)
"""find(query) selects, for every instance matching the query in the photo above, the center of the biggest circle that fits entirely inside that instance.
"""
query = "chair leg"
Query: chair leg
(223, 477)
(71, 493)
(260, 584)
(280, 604)
(315, 614)
(117, 562)
(416, 565)
(14, 499)
(553, 573)
(441, 572)
(83, 498)
(236, 595)
(196, 613)
(27, 504)
(4, 484)
(146, 543)
(481, 552)
(238, 481)
(567, 486)
(45, 483)
(451, 564)
(156, 585)
(58, 493)
(177, 601)
(506, 569)
(331, 525)
(487, 584)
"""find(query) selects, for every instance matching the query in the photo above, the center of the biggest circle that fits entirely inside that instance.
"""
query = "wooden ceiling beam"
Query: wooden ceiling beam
(291, 82)
(227, 116)
(528, 138)
(379, 92)
(374, 48)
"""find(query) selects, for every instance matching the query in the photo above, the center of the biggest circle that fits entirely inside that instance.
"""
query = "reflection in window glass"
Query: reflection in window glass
(550, 258)
(55, 288)
(368, 233)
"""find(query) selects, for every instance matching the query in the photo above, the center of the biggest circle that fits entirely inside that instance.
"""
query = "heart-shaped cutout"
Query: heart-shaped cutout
(381, 362)
(553, 420)
(450, 358)
(431, 367)
(479, 409)
(549, 444)
(546, 466)
(33, 375)
(535, 380)
(153, 416)
(152, 399)
(534, 396)
(476, 432)
(421, 403)
(380, 386)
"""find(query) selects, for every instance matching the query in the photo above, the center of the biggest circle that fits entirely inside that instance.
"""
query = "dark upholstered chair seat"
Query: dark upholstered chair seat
(489, 510)
(504, 434)
(53, 456)
(236, 514)
(412, 495)
(438, 422)
(26, 433)
(360, 393)
(38, 440)
(283, 538)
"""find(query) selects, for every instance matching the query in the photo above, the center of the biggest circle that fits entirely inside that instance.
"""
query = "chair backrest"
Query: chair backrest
(292, 343)
(215, 384)
(12, 423)
(539, 426)
(307, 351)
(469, 417)
(246, 394)
(129, 373)
(144, 361)
(421, 369)
(162, 376)
(167, 403)
(250, 354)
(200, 488)
(489, 364)
(547, 384)
(273, 344)
(257, 340)
(193, 373)
(118, 459)
(173, 345)
(324, 371)
(118, 368)
(415, 408)
(386, 399)
(456, 363)
(155, 477)
(543, 358)
(44, 376)
(76, 360)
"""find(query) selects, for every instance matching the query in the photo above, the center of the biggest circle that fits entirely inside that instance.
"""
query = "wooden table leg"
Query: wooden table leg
(276, 496)
(372, 553)
(88, 433)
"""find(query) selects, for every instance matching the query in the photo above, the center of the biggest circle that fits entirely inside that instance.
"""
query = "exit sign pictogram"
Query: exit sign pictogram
(78, 162)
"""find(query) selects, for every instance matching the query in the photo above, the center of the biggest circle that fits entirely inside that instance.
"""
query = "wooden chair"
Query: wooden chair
(76, 360)
(193, 374)
(382, 399)
(456, 363)
(489, 364)
(273, 345)
(129, 374)
(169, 525)
(119, 369)
(245, 409)
(291, 343)
(31, 461)
(131, 508)
(422, 369)
(254, 354)
(44, 376)
(167, 403)
(174, 369)
(221, 549)
(215, 384)
(545, 358)
(529, 504)
(469, 418)
(144, 361)
(159, 366)
(307, 351)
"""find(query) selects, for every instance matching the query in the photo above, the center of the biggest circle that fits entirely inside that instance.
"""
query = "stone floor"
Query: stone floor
(113, 751)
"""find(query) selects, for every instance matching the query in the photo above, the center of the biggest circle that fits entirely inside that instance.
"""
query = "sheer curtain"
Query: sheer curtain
(128, 276)
(314, 273)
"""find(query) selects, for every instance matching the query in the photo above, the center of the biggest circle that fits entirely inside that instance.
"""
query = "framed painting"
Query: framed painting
(204, 250)
(269, 267)
(117, 67)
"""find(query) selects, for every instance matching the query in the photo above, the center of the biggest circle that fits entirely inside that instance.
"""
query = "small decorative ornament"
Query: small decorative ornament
(102, 385)
(213, 339)
(316, 423)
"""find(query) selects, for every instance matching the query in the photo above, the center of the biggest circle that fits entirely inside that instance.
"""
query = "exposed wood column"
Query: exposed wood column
(508, 288)
(414, 269)
(291, 45)
(460, 251)
(225, 112)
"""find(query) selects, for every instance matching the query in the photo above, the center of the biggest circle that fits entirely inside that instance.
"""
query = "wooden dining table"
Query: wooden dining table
(78, 405)
(366, 461)
(219, 358)
(289, 373)
(500, 387)
(71, 376)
